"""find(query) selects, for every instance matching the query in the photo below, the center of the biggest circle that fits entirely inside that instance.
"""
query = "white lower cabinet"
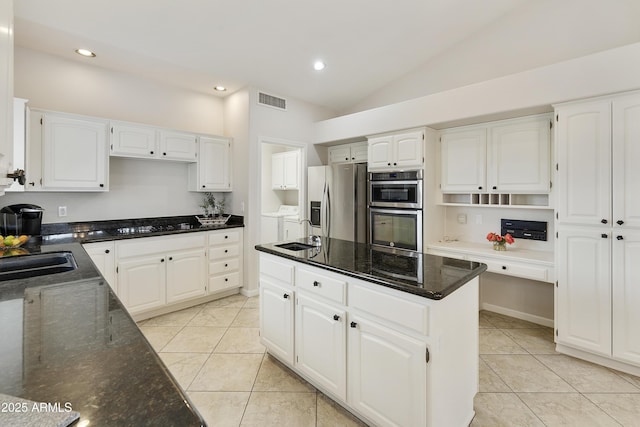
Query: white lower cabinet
(103, 255)
(320, 338)
(276, 319)
(225, 259)
(381, 359)
(141, 282)
(392, 358)
(186, 275)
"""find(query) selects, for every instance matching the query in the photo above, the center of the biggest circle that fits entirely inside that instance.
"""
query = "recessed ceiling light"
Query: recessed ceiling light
(220, 88)
(85, 52)
(319, 65)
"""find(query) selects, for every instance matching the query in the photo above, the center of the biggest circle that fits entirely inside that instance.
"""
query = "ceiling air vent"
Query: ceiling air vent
(272, 101)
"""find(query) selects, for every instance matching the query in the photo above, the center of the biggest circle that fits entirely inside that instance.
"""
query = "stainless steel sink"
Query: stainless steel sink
(23, 266)
(295, 246)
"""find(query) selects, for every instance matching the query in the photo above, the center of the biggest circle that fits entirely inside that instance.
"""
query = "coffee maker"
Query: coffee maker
(21, 219)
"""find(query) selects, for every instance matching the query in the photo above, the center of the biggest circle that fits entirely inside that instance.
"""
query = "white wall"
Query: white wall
(138, 188)
(539, 33)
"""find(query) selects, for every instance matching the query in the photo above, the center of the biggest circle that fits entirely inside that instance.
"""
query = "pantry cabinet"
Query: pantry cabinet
(598, 223)
(285, 171)
(400, 151)
(212, 171)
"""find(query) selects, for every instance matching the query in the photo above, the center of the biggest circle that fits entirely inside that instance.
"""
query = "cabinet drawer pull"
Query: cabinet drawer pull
(170, 258)
(106, 251)
(316, 283)
(164, 154)
(604, 221)
(353, 324)
(226, 279)
(604, 235)
(150, 152)
(504, 267)
(336, 317)
(619, 237)
(226, 237)
(285, 296)
(162, 260)
(619, 222)
(495, 187)
(226, 265)
(226, 251)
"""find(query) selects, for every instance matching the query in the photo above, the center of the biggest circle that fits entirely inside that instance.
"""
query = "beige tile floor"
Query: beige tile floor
(213, 351)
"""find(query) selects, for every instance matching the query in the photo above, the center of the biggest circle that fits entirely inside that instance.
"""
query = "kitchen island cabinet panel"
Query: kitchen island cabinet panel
(103, 255)
(276, 319)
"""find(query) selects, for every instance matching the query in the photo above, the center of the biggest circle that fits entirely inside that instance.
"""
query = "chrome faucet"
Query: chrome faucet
(313, 239)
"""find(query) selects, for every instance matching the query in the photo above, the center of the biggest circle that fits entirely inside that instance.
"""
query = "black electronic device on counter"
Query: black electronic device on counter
(21, 219)
(519, 229)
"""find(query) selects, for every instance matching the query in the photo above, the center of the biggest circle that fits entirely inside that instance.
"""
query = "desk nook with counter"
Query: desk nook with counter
(390, 335)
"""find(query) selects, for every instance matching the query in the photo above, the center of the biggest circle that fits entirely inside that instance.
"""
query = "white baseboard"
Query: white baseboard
(600, 360)
(517, 314)
(249, 292)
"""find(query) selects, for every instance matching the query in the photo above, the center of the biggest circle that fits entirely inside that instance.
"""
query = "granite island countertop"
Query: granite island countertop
(429, 276)
(69, 341)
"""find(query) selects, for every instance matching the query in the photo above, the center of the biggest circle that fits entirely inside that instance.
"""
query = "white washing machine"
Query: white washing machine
(272, 223)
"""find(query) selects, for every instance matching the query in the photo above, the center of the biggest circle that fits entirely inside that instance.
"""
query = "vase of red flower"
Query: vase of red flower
(500, 242)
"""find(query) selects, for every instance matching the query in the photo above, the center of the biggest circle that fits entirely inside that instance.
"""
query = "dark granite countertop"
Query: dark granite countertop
(421, 274)
(68, 341)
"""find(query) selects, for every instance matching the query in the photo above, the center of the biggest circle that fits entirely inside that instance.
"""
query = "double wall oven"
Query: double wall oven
(395, 209)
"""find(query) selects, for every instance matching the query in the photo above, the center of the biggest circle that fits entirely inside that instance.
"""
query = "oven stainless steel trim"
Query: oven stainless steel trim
(417, 275)
(416, 205)
(412, 212)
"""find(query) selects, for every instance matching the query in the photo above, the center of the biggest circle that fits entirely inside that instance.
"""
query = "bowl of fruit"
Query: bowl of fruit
(10, 242)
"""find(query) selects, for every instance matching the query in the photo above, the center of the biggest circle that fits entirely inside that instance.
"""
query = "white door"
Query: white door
(583, 294)
(626, 296)
(584, 163)
(75, 153)
(380, 152)
(519, 157)
(177, 146)
(276, 320)
(387, 374)
(320, 342)
(133, 140)
(214, 164)
(408, 150)
(186, 275)
(103, 256)
(141, 282)
(626, 158)
(463, 157)
(277, 171)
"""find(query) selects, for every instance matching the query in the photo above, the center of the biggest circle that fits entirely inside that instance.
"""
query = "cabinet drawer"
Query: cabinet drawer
(224, 281)
(160, 244)
(224, 252)
(220, 267)
(526, 271)
(385, 305)
(224, 237)
(321, 284)
(282, 272)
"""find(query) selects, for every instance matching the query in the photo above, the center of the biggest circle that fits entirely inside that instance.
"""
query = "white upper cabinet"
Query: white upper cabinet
(74, 153)
(348, 153)
(285, 170)
(508, 156)
(6, 93)
(400, 151)
(177, 145)
(463, 160)
(584, 163)
(519, 156)
(212, 172)
(133, 140)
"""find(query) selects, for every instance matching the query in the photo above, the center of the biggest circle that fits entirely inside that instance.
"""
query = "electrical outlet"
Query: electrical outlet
(62, 211)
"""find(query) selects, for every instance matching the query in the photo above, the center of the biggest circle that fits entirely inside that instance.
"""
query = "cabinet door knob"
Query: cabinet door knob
(170, 258)
(346, 158)
(226, 279)
(388, 164)
(336, 317)
(495, 187)
(32, 184)
(353, 324)
(106, 251)
(504, 267)
(604, 235)
(226, 251)
(226, 237)
(395, 164)
(285, 296)
(226, 265)
(316, 283)
(480, 188)
(101, 185)
(619, 222)
(203, 186)
(162, 260)
(150, 152)
(604, 221)
(164, 154)
(619, 237)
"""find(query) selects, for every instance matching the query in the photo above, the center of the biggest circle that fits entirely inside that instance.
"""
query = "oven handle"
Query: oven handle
(396, 211)
(378, 183)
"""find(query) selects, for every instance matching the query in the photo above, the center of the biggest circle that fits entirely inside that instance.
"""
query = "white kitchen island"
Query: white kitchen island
(391, 336)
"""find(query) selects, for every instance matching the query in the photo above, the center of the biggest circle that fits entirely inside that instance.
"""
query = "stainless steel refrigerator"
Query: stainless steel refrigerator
(337, 201)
